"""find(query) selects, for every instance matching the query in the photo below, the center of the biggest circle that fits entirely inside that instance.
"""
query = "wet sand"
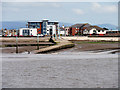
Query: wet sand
(77, 67)
(62, 70)
(79, 47)
(20, 49)
(91, 46)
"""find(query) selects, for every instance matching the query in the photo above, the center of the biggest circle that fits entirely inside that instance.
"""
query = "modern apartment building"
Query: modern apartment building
(45, 27)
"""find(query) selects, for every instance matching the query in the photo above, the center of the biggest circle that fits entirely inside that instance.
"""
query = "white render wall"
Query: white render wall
(53, 29)
(21, 30)
(67, 30)
(91, 31)
(62, 32)
(33, 31)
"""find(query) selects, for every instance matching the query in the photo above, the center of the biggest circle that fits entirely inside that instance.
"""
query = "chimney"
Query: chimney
(63, 26)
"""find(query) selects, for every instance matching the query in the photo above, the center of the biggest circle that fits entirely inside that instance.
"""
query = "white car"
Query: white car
(41, 35)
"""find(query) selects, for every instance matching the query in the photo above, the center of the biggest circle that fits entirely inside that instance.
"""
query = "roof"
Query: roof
(80, 25)
(34, 21)
(43, 20)
(62, 29)
(112, 30)
(98, 28)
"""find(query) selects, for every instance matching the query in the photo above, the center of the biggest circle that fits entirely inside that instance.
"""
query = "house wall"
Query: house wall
(101, 32)
(67, 30)
(89, 32)
(33, 31)
(53, 29)
(74, 31)
(21, 31)
(39, 30)
(62, 32)
(42, 26)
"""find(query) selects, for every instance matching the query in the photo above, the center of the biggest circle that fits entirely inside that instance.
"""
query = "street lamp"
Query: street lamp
(37, 42)
(16, 42)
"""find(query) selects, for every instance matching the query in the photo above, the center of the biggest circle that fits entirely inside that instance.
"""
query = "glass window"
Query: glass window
(33, 26)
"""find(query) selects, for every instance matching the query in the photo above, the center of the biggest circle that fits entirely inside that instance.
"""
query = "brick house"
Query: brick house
(77, 29)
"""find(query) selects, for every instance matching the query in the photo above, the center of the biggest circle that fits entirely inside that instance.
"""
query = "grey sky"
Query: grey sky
(70, 12)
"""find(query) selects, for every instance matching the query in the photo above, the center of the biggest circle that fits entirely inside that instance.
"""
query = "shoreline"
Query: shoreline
(30, 45)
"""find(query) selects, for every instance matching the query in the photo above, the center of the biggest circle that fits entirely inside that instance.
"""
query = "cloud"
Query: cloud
(78, 11)
(96, 5)
(60, 0)
(104, 8)
(55, 5)
(31, 4)
(32, 0)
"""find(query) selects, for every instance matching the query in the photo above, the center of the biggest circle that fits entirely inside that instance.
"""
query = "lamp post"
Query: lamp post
(58, 31)
(37, 42)
(16, 43)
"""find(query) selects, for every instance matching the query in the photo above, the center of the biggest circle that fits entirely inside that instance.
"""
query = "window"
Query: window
(25, 31)
(102, 30)
(98, 30)
(33, 26)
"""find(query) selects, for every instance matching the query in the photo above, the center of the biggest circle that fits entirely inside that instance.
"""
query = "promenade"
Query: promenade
(92, 38)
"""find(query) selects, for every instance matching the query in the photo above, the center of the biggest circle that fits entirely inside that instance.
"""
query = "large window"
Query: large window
(26, 32)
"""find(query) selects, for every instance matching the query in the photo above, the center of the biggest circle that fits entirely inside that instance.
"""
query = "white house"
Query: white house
(51, 30)
(28, 32)
(94, 30)
(67, 30)
(62, 31)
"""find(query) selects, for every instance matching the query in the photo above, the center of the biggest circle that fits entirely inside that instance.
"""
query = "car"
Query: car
(41, 35)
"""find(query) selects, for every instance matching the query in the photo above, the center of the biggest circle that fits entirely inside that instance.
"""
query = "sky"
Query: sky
(68, 12)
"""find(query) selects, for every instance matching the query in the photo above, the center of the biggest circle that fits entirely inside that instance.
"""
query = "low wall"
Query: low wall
(23, 39)
(92, 38)
(63, 44)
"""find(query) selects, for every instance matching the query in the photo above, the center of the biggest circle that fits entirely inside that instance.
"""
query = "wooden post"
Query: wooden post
(16, 43)
(37, 42)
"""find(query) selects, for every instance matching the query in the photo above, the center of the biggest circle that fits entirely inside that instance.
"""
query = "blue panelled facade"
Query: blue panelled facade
(42, 25)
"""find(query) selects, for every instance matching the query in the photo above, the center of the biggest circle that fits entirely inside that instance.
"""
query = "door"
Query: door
(50, 31)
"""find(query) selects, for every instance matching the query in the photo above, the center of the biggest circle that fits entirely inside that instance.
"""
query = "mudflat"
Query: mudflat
(79, 46)
(75, 67)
